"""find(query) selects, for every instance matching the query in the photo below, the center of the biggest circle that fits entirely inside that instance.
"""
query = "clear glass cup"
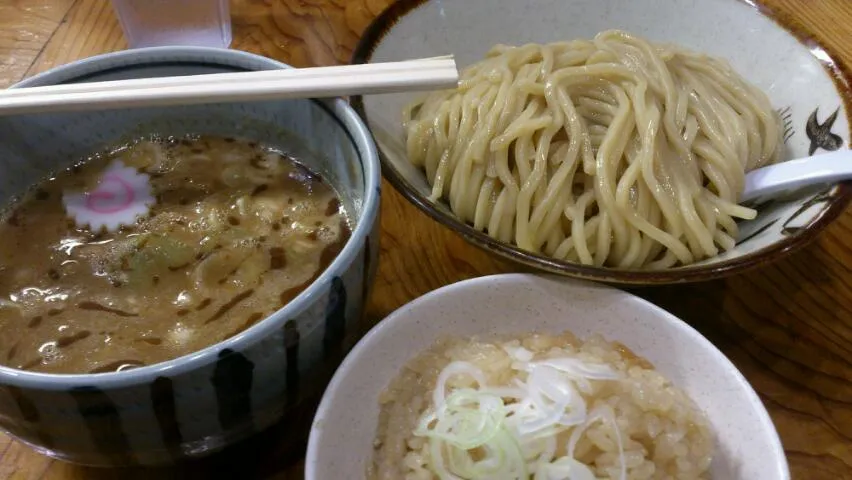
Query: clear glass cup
(150, 23)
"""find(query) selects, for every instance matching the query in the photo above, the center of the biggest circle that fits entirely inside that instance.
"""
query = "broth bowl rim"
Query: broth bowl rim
(337, 108)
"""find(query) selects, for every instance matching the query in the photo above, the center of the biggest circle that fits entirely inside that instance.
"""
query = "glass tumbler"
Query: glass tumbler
(150, 23)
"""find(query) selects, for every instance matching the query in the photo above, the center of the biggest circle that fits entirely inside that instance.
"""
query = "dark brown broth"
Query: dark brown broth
(238, 231)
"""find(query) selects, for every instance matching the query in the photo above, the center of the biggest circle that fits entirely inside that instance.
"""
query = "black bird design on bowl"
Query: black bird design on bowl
(820, 133)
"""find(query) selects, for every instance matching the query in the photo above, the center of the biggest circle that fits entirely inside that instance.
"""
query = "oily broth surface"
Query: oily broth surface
(237, 231)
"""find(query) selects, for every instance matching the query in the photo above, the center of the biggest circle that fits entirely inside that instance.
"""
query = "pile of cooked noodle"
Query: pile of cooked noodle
(611, 152)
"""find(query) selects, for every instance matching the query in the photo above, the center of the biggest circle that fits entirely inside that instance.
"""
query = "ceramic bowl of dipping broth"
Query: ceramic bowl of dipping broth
(198, 403)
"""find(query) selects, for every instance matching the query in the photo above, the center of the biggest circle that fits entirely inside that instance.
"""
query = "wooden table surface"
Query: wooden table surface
(787, 327)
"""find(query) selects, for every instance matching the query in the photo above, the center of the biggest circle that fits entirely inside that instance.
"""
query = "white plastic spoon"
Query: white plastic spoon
(793, 174)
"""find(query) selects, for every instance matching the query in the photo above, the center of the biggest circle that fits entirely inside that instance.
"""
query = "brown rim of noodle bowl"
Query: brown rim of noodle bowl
(835, 205)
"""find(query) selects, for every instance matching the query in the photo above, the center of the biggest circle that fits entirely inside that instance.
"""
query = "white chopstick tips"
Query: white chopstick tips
(374, 78)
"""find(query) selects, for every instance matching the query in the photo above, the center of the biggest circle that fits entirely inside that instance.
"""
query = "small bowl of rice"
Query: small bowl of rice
(527, 377)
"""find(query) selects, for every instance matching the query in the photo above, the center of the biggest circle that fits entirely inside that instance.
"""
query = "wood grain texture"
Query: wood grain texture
(788, 327)
(26, 29)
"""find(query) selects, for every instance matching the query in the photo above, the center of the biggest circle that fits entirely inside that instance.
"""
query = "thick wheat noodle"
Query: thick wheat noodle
(610, 152)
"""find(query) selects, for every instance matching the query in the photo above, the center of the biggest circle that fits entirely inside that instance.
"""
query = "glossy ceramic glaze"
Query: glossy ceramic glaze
(340, 446)
(198, 403)
(808, 88)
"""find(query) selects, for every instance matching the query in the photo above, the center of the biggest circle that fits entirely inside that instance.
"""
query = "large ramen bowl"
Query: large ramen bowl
(804, 83)
(747, 446)
(198, 403)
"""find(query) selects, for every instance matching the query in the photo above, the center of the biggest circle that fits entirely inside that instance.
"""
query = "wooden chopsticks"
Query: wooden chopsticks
(373, 78)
